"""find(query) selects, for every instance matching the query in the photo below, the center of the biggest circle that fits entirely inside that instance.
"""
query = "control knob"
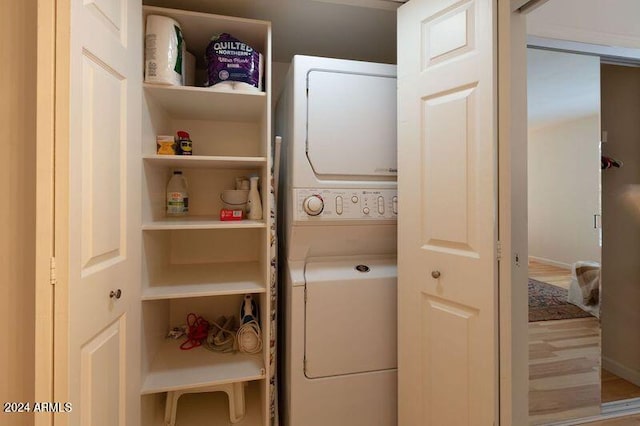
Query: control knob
(313, 205)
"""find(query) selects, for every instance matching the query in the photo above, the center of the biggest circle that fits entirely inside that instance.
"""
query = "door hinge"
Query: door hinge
(499, 250)
(52, 271)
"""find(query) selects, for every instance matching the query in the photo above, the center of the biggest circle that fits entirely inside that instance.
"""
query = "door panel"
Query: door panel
(447, 126)
(448, 33)
(104, 211)
(445, 345)
(103, 376)
(111, 12)
(447, 228)
(103, 120)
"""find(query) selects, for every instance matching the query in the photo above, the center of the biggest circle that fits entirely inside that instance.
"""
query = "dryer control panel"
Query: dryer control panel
(345, 204)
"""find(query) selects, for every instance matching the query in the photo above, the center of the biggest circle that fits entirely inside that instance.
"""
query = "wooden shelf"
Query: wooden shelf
(203, 161)
(212, 279)
(200, 222)
(174, 369)
(202, 103)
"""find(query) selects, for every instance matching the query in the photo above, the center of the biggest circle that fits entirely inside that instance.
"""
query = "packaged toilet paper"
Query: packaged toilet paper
(164, 51)
(233, 64)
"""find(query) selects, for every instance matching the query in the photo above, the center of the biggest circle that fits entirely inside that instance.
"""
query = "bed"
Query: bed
(584, 290)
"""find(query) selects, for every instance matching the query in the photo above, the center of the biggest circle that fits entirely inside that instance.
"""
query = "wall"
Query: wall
(279, 73)
(317, 28)
(564, 164)
(601, 22)
(621, 223)
(17, 174)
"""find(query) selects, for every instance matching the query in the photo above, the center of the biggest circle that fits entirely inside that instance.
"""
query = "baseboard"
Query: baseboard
(621, 371)
(550, 262)
(610, 410)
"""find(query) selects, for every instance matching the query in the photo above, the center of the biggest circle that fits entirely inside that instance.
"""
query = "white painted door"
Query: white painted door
(447, 225)
(104, 212)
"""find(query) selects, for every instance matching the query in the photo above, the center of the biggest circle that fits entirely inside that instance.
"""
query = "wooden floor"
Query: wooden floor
(557, 276)
(564, 370)
(564, 360)
(564, 365)
(615, 388)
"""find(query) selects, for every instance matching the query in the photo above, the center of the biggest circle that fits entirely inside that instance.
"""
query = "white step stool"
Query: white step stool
(234, 391)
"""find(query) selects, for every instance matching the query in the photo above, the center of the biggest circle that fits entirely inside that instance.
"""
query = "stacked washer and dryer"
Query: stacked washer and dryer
(338, 208)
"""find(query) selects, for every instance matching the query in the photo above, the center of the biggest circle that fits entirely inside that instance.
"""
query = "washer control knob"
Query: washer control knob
(313, 205)
(339, 205)
(365, 210)
(354, 199)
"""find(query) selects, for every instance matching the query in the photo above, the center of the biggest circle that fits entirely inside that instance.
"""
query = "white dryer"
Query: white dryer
(338, 258)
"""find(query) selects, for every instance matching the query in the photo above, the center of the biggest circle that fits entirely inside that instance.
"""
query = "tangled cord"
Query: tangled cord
(220, 335)
(222, 338)
(249, 337)
(198, 331)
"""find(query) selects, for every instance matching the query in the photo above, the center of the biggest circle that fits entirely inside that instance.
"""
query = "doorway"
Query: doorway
(564, 245)
(621, 223)
(601, 343)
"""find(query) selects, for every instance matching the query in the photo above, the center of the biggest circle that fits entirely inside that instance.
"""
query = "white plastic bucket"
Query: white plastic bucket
(235, 199)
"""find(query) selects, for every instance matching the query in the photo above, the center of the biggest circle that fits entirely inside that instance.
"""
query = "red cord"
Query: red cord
(198, 331)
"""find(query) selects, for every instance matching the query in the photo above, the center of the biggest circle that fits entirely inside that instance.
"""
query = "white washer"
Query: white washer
(338, 123)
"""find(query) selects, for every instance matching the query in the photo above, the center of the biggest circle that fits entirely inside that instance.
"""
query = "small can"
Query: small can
(185, 146)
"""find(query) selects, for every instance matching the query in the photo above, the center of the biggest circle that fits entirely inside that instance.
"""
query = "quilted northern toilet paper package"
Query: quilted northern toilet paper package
(233, 64)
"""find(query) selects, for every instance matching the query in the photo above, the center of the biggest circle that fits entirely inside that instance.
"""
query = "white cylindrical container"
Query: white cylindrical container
(254, 204)
(177, 195)
(164, 51)
(235, 199)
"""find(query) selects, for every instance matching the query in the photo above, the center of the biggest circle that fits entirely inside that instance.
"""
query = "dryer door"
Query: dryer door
(351, 127)
(350, 324)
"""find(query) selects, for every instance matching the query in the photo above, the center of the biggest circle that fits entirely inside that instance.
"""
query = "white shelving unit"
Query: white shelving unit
(198, 263)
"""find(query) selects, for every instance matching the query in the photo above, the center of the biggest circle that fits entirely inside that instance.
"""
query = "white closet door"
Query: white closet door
(104, 212)
(447, 185)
